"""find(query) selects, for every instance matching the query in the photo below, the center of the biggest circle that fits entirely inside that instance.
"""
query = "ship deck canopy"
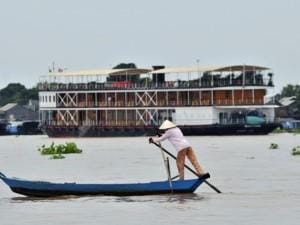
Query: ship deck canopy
(102, 72)
(168, 70)
(211, 69)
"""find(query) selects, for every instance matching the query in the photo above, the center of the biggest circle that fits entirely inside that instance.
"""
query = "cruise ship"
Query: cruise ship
(201, 100)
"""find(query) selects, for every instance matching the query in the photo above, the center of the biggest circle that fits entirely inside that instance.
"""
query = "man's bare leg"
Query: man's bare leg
(193, 159)
(180, 163)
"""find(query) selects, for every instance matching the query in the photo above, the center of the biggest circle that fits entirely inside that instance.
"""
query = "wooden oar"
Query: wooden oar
(186, 166)
(167, 166)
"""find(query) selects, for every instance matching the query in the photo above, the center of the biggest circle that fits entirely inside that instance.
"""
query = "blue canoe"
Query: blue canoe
(49, 189)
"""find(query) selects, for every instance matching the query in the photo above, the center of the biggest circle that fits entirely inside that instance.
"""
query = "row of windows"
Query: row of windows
(46, 98)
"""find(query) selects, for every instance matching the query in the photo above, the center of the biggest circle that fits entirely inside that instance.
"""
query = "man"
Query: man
(179, 142)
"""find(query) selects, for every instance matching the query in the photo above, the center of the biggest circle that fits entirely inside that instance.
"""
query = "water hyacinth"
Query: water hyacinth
(296, 131)
(279, 130)
(57, 150)
(273, 146)
(296, 150)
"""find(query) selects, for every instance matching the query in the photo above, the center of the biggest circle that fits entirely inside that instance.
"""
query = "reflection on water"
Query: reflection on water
(259, 186)
(22, 199)
(178, 198)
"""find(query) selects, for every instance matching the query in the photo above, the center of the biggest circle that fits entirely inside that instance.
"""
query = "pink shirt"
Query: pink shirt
(175, 136)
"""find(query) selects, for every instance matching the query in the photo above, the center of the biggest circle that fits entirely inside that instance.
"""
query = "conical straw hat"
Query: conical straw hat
(167, 125)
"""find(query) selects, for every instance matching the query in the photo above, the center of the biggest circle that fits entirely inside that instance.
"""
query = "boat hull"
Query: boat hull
(114, 131)
(48, 189)
(23, 128)
(3, 130)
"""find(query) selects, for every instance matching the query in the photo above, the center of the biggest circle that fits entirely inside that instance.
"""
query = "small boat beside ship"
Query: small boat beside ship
(214, 100)
(20, 128)
(3, 126)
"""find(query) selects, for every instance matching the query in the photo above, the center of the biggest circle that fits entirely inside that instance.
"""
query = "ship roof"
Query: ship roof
(136, 71)
(286, 101)
(7, 107)
(105, 72)
(194, 69)
(234, 68)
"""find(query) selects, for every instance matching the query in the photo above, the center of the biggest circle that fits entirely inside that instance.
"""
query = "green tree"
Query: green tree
(292, 90)
(125, 66)
(17, 93)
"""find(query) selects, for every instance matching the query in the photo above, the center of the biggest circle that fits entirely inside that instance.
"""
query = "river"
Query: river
(259, 185)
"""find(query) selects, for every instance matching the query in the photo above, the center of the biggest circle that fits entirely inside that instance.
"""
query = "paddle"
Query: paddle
(186, 166)
(167, 166)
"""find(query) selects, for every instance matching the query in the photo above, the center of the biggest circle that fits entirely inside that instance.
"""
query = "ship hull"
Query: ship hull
(194, 130)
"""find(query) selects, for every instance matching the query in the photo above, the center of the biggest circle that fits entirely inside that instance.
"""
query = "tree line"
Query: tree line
(17, 93)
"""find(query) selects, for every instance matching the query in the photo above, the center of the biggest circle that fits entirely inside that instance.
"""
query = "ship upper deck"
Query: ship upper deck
(163, 78)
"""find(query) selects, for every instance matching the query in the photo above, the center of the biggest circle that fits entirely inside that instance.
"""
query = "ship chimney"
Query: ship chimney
(158, 78)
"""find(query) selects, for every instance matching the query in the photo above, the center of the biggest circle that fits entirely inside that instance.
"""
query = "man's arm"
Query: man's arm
(165, 136)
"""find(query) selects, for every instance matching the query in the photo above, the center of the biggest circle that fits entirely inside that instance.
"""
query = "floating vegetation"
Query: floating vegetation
(279, 130)
(252, 157)
(57, 150)
(296, 150)
(296, 131)
(273, 146)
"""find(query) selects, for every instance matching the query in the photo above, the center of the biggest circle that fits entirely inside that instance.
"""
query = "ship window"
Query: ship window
(50, 98)
(53, 98)
(45, 98)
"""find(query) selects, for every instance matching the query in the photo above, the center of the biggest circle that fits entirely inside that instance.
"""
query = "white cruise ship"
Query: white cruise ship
(212, 100)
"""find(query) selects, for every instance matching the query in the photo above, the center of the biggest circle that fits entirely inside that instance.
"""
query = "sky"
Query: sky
(94, 34)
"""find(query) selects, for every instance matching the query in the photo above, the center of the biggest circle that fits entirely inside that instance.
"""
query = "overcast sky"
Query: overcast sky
(91, 34)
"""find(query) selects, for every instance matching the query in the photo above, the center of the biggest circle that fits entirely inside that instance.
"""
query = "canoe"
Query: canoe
(49, 189)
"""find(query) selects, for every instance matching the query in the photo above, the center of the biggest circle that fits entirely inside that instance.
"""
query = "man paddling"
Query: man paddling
(179, 142)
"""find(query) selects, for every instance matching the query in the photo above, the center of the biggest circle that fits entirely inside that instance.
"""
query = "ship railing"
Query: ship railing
(202, 83)
(93, 123)
(230, 121)
(163, 102)
(245, 101)
(233, 121)
(58, 123)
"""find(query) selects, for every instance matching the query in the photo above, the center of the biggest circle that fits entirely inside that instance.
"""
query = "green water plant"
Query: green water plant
(296, 150)
(273, 146)
(57, 150)
(296, 131)
(279, 130)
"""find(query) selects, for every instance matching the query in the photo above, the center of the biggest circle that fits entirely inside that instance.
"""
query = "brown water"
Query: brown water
(260, 186)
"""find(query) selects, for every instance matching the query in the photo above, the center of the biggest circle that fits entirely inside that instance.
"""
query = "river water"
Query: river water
(259, 185)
